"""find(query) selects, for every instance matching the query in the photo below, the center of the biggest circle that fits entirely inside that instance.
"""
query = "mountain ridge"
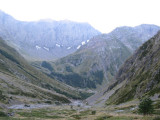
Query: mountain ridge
(140, 73)
(42, 39)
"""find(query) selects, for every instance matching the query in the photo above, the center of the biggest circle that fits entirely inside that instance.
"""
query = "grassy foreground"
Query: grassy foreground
(67, 112)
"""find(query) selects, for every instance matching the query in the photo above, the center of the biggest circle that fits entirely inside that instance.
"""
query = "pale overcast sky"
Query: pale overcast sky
(104, 15)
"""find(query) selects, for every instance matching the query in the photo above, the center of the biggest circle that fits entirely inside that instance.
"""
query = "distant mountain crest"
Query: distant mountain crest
(133, 37)
(56, 36)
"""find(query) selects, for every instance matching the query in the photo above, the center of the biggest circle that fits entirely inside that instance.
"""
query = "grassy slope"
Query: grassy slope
(141, 72)
(76, 113)
(19, 78)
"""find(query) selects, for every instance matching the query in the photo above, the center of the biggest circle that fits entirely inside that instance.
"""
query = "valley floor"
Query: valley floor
(77, 112)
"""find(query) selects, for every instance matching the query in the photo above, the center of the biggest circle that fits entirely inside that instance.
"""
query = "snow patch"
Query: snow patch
(58, 45)
(87, 41)
(78, 46)
(46, 48)
(83, 43)
(37, 47)
(68, 48)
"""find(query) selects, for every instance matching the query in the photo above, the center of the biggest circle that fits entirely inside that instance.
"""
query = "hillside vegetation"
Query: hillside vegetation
(21, 82)
(140, 73)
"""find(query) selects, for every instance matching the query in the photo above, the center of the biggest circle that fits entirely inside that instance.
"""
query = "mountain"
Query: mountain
(21, 83)
(133, 37)
(44, 39)
(140, 74)
(92, 64)
(97, 62)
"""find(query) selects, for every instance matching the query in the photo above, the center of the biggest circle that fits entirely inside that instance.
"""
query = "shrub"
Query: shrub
(47, 65)
(93, 112)
(145, 107)
(104, 117)
(8, 56)
(2, 114)
(76, 116)
(71, 106)
(48, 102)
(78, 105)
(2, 97)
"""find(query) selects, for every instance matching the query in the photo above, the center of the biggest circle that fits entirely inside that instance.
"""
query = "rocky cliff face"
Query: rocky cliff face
(140, 73)
(45, 39)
